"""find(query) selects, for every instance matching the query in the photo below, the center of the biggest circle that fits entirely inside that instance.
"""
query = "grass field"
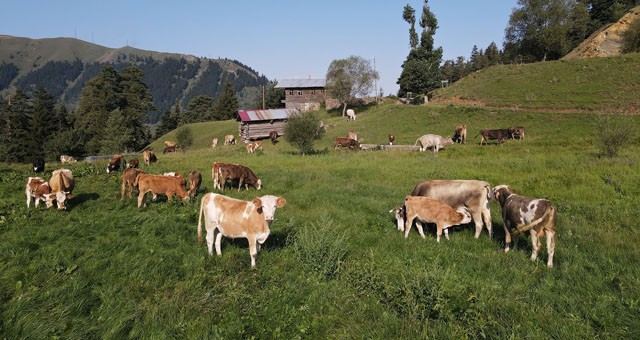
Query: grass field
(335, 266)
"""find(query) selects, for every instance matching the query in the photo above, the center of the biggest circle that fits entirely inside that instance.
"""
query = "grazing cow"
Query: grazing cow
(538, 216)
(157, 184)
(128, 179)
(168, 144)
(214, 142)
(489, 134)
(215, 173)
(240, 173)
(37, 188)
(149, 157)
(273, 136)
(392, 139)
(168, 149)
(115, 163)
(346, 142)
(517, 131)
(472, 194)
(351, 115)
(66, 159)
(229, 140)
(460, 134)
(38, 164)
(252, 147)
(195, 179)
(62, 184)
(352, 135)
(433, 141)
(429, 210)
(133, 163)
(233, 218)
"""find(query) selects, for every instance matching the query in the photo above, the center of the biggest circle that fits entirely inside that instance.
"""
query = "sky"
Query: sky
(280, 39)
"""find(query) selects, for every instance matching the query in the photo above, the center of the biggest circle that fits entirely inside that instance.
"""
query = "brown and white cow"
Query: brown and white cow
(240, 173)
(128, 179)
(460, 134)
(517, 131)
(158, 184)
(252, 147)
(392, 139)
(521, 214)
(347, 143)
(352, 135)
(215, 173)
(62, 184)
(115, 163)
(429, 210)
(229, 140)
(66, 159)
(491, 134)
(149, 157)
(195, 180)
(233, 218)
(472, 194)
(433, 141)
(133, 163)
(273, 136)
(37, 188)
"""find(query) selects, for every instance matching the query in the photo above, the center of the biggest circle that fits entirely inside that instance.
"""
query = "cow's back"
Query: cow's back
(62, 181)
(456, 193)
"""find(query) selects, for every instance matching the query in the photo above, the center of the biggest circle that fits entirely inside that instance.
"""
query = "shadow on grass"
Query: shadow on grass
(82, 198)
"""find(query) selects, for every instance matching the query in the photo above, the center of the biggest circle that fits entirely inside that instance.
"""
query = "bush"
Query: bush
(612, 135)
(184, 137)
(631, 37)
(302, 130)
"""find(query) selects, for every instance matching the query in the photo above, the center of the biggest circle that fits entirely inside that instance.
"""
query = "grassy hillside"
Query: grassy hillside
(598, 84)
(335, 266)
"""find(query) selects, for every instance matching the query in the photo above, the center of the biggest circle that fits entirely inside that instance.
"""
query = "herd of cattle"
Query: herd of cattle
(445, 203)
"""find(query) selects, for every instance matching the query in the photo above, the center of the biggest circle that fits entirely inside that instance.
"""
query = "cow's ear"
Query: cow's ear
(257, 202)
(280, 202)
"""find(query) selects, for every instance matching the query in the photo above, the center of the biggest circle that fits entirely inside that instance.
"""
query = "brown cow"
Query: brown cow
(273, 136)
(229, 140)
(195, 179)
(346, 142)
(429, 210)
(37, 188)
(158, 184)
(62, 184)
(128, 179)
(133, 163)
(233, 218)
(460, 134)
(517, 131)
(168, 144)
(115, 163)
(538, 216)
(392, 139)
(168, 149)
(240, 173)
(215, 173)
(489, 134)
(149, 157)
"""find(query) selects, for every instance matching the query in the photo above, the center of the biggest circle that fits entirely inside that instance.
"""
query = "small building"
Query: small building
(303, 94)
(257, 124)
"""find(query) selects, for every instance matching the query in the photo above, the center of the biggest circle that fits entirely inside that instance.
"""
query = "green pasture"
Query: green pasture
(334, 265)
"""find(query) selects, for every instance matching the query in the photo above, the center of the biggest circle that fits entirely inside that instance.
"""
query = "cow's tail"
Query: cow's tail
(548, 213)
(202, 202)
(417, 141)
(135, 182)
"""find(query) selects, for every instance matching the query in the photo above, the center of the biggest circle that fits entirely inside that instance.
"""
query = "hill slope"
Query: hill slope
(63, 65)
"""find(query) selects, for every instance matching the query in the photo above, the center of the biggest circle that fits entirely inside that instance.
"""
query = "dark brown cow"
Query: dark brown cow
(195, 179)
(133, 163)
(158, 184)
(240, 173)
(273, 136)
(490, 134)
(347, 143)
(168, 149)
(215, 175)
(517, 131)
(128, 179)
(521, 214)
(392, 139)
(115, 163)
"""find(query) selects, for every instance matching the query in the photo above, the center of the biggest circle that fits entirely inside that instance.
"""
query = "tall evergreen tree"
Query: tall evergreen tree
(199, 109)
(226, 107)
(14, 138)
(43, 122)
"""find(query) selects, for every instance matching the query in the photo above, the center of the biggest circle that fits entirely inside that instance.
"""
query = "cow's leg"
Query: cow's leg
(477, 219)
(218, 237)
(420, 229)
(253, 250)
(438, 232)
(141, 199)
(446, 232)
(211, 233)
(507, 236)
(551, 245)
(486, 218)
(169, 197)
(407, 226)
(535, 244)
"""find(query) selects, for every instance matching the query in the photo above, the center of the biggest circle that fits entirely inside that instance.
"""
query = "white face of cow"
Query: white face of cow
(466, 213)
(269, 204)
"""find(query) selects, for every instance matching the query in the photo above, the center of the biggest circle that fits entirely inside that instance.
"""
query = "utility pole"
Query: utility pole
(375, 80)
(263, 97)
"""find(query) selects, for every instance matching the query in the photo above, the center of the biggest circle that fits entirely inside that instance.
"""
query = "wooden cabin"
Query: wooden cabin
(303, 94)
(257, 124)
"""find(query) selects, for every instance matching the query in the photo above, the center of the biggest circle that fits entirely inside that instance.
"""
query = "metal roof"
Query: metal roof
(271, 114)
(301, 83)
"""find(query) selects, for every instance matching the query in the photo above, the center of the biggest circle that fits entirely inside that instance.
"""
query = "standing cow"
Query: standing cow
(351, 115)
(37, 188)
(66, 159)
(491, 134)
(392, 139)
(195, 180)
(472, 194)
(115, 163)
(62, 184)
(521, 214)
(149, 157)
(128, 179)
(346, 142)
(429, 210)
(273, 136)
(229, 140)
(38, 164)
(240, 173)
(517, 131)
(433, 141)
(460, 134)
(233, 218)
(214, 142)
(133, 163)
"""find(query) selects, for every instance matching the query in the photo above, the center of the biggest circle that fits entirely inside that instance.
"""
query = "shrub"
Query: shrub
(302, 130)
(631, 37)
(184, 137)
(612, 135)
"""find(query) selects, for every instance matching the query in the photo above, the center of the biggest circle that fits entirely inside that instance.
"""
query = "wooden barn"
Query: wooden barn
(303, 94)
(256, 124)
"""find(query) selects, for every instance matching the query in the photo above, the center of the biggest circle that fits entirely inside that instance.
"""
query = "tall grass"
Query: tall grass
(334, 265)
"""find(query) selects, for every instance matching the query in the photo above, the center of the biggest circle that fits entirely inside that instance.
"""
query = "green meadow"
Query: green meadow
(334, 265)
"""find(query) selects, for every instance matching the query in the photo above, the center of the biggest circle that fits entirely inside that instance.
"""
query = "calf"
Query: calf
(346, 142)
(433, 141)
(429, 210)
(351, 115)
(392, 139)
(67, 159)
(252, 147)
(133, 163)
(517, 131)
(521, 214)
(128, 179)
(37, 188)
(38, 164)
(149, 157)
(490, 134)
(157, 184)
(115, 163)
(229, 140)
(233, 218)
(273, 136)
(195, 179)
(460, 134)
(62, 184)
(240, 173)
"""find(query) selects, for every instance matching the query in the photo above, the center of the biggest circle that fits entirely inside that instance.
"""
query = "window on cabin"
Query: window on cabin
(291, 92)
(299, 92)
(313, 91)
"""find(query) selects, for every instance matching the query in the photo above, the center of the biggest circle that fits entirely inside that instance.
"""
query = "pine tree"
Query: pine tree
(226, 107)
(16, 146)
(43, 122)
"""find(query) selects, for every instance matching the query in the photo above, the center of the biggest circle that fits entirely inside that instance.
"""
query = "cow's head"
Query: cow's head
(399, 212)
(466, 215)
(267, 206)
(501, 192)
(61, 197)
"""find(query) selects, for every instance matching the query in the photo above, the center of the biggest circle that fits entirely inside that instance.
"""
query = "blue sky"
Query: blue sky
(281, 39)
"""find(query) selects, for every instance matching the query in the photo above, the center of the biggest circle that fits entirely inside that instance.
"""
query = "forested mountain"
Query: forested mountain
(62, 66)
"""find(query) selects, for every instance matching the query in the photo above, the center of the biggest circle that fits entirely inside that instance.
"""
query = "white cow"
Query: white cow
(433, 141)
(351, 115)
